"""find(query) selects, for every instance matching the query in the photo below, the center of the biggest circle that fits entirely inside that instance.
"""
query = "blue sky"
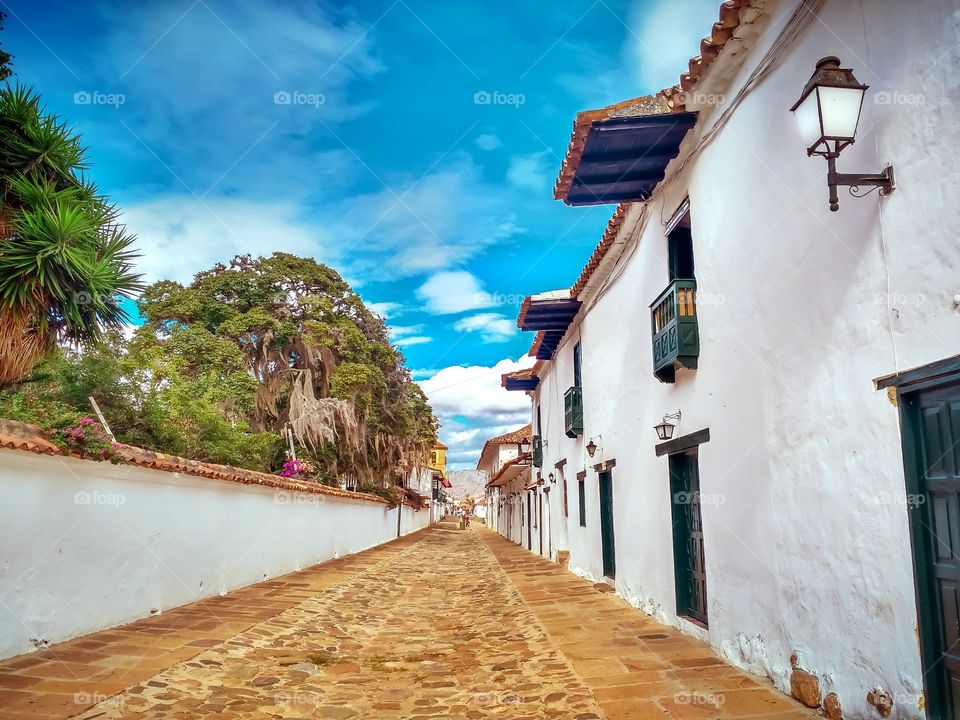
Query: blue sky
(411, 144)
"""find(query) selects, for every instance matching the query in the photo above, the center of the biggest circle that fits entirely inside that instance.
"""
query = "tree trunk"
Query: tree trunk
(23, 342)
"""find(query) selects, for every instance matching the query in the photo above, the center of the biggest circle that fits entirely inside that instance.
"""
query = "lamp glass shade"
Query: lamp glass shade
(807, 116)
(591, 448)
(840, 111)
(828, 110)
(664, 430)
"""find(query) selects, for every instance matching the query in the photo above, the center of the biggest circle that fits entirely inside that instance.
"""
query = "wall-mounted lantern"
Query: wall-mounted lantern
(665, 428)
(525, 446)
(827, 115)
(552, 478)
(591, 447)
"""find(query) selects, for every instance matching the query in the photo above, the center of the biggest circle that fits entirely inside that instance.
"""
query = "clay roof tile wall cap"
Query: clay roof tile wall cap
(643, 106)
(665, 101)
(606, 242)
(710, 47)
(22, 436)
(668, 100)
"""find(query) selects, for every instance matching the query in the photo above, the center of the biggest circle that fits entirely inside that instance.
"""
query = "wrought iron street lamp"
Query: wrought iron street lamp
(827, 115)
(525, 445)
(552, 478)
(665, 428)
(591, 447)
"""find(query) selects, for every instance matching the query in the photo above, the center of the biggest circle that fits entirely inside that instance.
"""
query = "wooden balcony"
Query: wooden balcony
(573, 411)
(676, 339)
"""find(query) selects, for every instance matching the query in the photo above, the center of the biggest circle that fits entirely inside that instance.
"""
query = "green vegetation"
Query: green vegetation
(65, 260)
(284, 343)
(146, 399)
(222, 366)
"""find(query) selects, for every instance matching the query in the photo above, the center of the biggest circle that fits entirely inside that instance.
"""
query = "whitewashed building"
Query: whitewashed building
(803, 516)
(506, 462)
(479, 509)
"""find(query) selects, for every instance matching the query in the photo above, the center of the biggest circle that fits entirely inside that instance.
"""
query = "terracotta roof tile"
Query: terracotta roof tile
(515, 436)
(599, 252)
(637, 107)
(516, 375)
(710, 47)
(21, 436)
(666, 101)
(512, 437)
(535, 346)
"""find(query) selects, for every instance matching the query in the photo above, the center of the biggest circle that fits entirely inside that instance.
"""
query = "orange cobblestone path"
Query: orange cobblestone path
(441, 624)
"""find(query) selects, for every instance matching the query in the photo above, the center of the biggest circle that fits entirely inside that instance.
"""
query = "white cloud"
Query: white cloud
(488, 141)
(457, 438)
(418, 226)
(407, 335)
(472, 406)
(179, 69)
(492, 327)
(412, 340)
(531, 172)
(412, 228)
(657, 58)
(178, 236)
(421, 374)
(464, 446)
(398, 331)
(385, 310)
(652, 59)
(446, 293)
(470, 454)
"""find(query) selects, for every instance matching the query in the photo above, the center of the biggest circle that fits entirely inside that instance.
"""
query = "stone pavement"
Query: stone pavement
(440, 624)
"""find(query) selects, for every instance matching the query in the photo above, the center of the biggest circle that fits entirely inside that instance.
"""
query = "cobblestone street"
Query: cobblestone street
(441, 624)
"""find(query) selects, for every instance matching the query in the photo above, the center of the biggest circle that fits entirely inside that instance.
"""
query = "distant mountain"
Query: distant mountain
(467, 483)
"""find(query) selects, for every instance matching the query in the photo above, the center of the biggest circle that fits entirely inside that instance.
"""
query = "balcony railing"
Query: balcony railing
(537, 451)
(573, 411)
(676, 339)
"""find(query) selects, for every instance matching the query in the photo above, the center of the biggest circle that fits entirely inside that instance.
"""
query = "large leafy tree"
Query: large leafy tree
(290, 347)
(65, 260)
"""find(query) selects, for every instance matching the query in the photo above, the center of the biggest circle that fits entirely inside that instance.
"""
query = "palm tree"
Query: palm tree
(65, 261)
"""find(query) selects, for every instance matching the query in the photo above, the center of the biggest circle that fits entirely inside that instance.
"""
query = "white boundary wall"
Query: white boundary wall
(86, 546)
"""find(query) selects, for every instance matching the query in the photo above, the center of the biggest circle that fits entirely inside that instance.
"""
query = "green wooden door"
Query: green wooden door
(933, 419)
(606, 525)
(689, 561)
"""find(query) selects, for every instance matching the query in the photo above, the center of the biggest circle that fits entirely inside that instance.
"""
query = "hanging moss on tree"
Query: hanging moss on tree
(318, 360)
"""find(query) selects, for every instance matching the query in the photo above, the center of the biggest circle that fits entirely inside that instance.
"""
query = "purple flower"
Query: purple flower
(292, 469)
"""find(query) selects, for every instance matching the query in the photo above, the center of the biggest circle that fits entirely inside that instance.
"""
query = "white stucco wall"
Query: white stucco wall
(421, 480)
(505, 453)
(86, 546)
(806, 533)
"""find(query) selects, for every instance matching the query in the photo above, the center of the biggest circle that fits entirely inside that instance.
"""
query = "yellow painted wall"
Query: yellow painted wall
(438, 459)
